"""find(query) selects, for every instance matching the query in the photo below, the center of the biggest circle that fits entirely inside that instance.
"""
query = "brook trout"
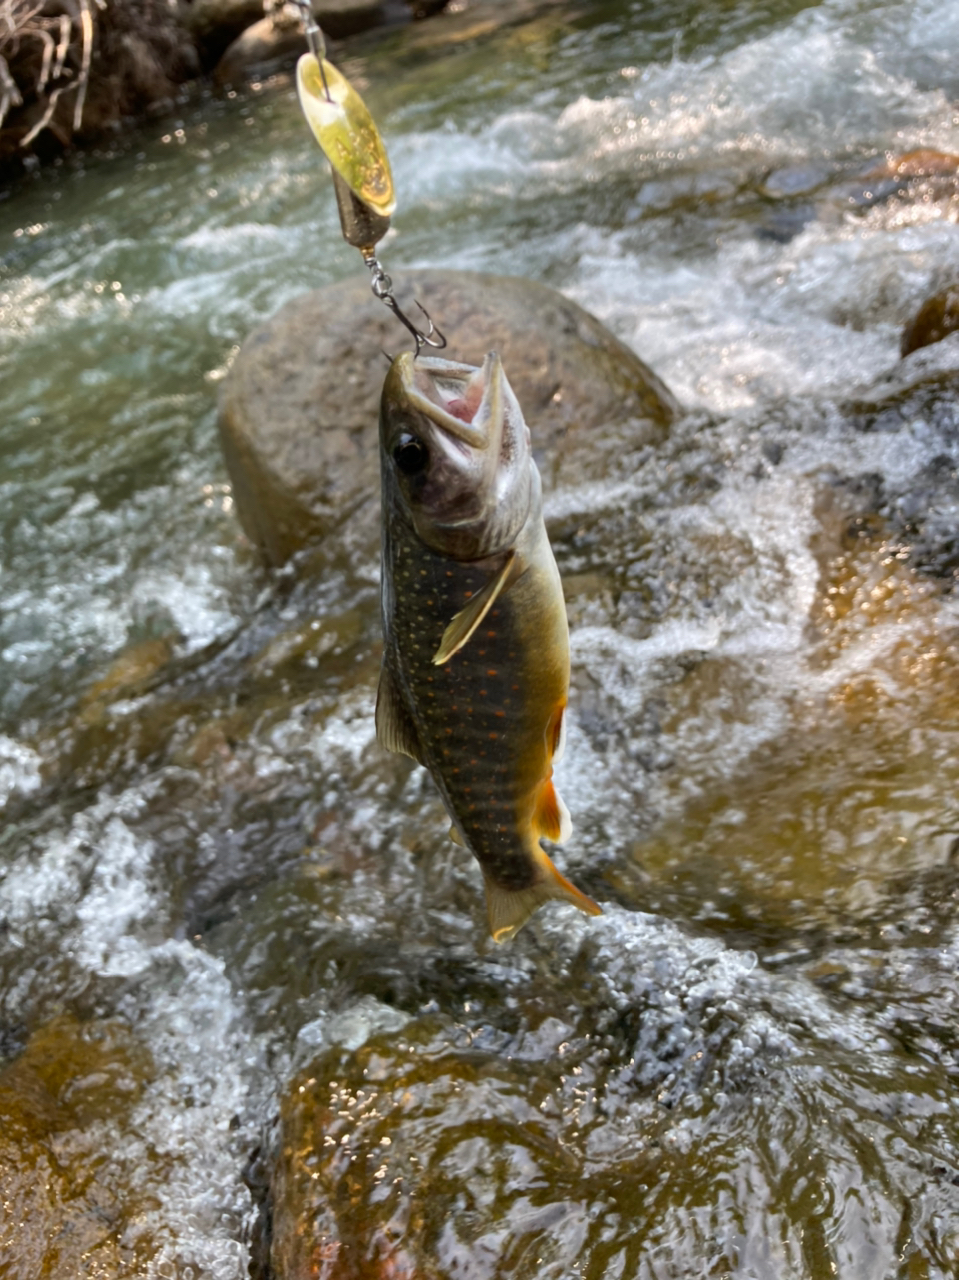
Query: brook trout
(475, 671)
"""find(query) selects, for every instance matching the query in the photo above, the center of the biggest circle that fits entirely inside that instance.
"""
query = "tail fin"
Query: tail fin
(509, 909)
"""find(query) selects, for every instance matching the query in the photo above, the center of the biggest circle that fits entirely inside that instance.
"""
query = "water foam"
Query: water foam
(92, 894)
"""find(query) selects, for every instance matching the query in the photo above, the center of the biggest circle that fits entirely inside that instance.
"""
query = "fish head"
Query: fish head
(456, 452)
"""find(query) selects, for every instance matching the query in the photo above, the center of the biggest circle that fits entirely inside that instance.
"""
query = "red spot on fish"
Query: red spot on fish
(515, 690)
(491, 672)
(501, 713)
(494, 735)
(491, 635)
(467, 594)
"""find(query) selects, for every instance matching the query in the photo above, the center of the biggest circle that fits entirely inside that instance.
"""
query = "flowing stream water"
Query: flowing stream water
(224, 904)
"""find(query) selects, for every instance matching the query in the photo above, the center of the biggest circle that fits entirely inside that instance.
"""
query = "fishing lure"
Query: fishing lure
(362, 180)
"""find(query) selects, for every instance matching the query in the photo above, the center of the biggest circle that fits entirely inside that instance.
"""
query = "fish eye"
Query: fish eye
(411, 455)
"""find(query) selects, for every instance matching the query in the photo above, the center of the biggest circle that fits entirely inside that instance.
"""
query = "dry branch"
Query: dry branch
(76, 70)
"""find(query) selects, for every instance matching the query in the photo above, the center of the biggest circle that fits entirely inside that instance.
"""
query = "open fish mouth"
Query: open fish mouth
(465, 401)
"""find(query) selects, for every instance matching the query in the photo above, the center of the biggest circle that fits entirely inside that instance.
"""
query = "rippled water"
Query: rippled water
(748, 1067)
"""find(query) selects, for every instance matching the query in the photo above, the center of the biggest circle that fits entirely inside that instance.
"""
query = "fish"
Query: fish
(474, 682)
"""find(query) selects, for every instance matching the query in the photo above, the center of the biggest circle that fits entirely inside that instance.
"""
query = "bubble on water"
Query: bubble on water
(351, 1027)
(19, 769)
(94, 895)
(192, 598)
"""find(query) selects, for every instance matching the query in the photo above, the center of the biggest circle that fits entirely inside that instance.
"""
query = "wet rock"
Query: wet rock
(624, 1091)
(65, 1209)
(213, 24)
(263, 47)
(216, 24)
(919, 513)
(802, 194)
(129, 673)
(936, 319)
(299, 411)
(924, 162)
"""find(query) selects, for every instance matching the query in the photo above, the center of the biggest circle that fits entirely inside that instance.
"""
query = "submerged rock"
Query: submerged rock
(299, 412)
(622, 1092)
(65, 1208)
(936, 319)
(801, 194)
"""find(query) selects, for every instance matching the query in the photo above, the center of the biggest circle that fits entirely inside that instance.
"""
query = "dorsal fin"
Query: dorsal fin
(395, 729)
(468, 619)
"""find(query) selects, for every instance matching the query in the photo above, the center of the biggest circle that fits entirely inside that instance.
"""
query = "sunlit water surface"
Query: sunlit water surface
(749, 1066)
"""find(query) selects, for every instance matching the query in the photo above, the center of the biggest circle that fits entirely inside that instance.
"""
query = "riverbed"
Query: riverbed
(249, 923)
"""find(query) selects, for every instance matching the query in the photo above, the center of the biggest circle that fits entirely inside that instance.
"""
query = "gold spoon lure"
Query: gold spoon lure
(362, 179)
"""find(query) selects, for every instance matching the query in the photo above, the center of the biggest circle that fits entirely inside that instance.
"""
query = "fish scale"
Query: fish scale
(474, 724)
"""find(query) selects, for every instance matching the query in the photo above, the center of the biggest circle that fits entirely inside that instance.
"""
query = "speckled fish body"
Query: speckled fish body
(476, 649)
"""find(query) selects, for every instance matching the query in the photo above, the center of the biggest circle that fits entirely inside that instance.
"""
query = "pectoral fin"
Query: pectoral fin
(509, 909)
(395, 730)
(456, 837)
(558, 734)
(468, 619)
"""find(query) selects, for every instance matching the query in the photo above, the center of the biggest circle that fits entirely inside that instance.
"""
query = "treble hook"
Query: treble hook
(382, 287)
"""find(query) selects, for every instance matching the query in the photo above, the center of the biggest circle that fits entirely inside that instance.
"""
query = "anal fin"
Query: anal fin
(467, 620)
(509, 909)
(551, 817)
(395, 730)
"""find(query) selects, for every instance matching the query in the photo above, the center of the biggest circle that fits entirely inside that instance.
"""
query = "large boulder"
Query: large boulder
(299, 412)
